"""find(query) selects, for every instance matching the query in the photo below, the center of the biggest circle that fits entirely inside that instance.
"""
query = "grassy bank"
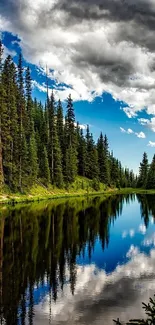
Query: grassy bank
(81, 187)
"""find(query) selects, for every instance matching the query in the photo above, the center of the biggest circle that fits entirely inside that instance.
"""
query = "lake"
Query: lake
(77, 261)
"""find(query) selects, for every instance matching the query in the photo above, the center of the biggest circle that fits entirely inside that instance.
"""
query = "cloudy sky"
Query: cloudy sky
(102, 52)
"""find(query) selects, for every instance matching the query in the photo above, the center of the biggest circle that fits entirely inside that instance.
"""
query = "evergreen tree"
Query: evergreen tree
(114, 171)
(92, 169)
(21, 121)
(55, 158)
(143, 172)
(45, 166)
(82, 154)
(28, 95)
(58, 176)
(103, 159)
(70, 143)
(151, 175)
(60, 126)
(51, 115)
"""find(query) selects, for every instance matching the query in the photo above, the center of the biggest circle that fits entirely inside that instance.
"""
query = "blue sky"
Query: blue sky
(105, 63)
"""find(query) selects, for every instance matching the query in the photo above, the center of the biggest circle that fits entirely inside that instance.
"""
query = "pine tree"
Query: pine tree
(58, 176)
(13, 130)
(114, 171)
(70, 170)
(33, 160)
(54, 150)
(28, 95)
(10, 124)
(45, 166)
(60, 126)
(60, 132)
(21, 121)
(82, 153)
(143, 172)
(92, 167)
(151, 175)
(103, 159)
(51, 115)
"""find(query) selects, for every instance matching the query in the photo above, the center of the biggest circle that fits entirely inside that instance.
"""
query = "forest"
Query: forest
(39, 143)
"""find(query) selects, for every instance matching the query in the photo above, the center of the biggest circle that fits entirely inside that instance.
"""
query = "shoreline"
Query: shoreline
(12, 199)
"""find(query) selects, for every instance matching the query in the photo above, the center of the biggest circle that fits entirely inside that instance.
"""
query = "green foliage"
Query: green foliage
(150, 315)
(143, 172)
(103, 159)
(151, 175)
(96, 184)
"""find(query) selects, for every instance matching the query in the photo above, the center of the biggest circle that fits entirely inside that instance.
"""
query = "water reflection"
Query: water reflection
(68, 262)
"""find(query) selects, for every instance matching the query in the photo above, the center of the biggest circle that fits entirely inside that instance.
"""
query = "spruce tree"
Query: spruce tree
(103, 159)
(151, 175)
(114, 171)
(33, 160)
(21, 122)
(60, 126)
(70, 143)
(60, 132)
(45, 166)
(51, 115)
(54, 150)
(82, 154)
(143, 172)
(29, 103)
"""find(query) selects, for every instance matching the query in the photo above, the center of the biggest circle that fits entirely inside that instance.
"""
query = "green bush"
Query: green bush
(95, 184)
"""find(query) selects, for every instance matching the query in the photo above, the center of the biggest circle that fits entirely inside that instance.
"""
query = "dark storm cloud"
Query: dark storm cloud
(101, 44)
(137, 17)
(114, 10)
(108, 67)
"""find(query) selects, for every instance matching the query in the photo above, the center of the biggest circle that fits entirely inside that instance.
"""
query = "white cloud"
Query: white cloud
(83, 126)
(122, 130)
(128, 284)
(133, 251)
(129, 111)
(142, 229)
(124, 234)
(131, 233)
(149, 123)
(140, 135)
(130, 131)
(149, 241)
(151, 144)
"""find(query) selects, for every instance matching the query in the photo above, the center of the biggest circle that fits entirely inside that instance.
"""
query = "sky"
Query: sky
(100, 52)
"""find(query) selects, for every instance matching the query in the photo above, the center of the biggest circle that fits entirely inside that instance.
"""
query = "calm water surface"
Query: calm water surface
(83, 261)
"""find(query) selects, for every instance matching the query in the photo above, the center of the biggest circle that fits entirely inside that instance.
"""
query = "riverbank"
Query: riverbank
(81, 187)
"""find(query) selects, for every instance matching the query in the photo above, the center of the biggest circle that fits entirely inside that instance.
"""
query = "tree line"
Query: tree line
(146, 178)
(37, 142)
